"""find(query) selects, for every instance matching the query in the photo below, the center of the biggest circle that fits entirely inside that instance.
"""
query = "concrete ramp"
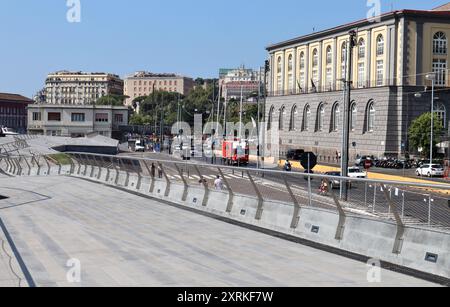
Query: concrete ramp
(59, 224)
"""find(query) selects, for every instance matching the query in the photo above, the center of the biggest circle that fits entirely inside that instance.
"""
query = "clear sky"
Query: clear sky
(190, 37)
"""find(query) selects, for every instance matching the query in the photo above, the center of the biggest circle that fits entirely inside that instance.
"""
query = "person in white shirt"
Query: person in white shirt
(218, 184)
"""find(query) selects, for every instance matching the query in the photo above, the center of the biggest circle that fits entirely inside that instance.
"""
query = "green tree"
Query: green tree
(140, 120)
(111, 100)
(420, 133)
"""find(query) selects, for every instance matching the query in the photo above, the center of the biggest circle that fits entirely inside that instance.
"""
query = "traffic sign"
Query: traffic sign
(308, 160)
(367, 164)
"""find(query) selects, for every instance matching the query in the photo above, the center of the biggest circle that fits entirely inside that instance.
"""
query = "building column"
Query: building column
(369, 58)
(320, 66)
(335, 60)
(419, 54)
(307, 81)
(294, 70)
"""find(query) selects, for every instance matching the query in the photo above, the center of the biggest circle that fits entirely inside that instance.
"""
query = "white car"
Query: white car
(430, 170)
(139, 147)
(356, 172)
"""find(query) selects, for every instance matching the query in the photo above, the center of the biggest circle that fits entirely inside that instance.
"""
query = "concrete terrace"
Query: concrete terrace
(126, 240)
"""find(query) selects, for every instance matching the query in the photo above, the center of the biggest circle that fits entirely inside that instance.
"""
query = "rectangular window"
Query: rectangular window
(78, 117)
(302, 80)
(37, 116)
(54, 116)
(361, 75)
(118, 118)
(329, 76)
(440, 69)
(101, 117)
(380, 73)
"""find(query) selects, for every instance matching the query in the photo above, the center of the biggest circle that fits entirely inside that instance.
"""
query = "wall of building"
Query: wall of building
(67, 127)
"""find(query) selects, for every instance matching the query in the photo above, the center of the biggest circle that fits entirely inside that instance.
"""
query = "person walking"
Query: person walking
(218, 184)
(160, 172)
(153, 170)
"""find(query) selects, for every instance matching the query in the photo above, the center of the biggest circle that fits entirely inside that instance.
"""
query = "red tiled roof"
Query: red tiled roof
(6, 97)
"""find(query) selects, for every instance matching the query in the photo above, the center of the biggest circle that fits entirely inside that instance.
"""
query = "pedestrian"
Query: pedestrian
(153, 170)
(160, 172)
(218, 184)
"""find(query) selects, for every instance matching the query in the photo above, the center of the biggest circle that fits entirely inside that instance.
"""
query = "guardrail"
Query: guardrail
(413, 204)
(389, 213)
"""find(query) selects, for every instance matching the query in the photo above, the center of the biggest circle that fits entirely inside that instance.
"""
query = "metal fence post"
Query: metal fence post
(429, 209)
(117, 168)
(138, 172)
(185, 184)
(127, 179)
(48, 166)
(91, 174)
(342, 216)
(205, 185)
(166, 193)
(374, 197)
(296, 215)
(230, 191)
(260, 209)
(400, 226)
(72, 166)
(99, 168)
(38, 165)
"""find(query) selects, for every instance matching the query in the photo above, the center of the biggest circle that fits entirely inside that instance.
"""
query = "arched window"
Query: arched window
(270, 118)
(279, 65)
(380, 45)
(320, 117)
(371, 117)
(336, 117)
(329, 55)
(361, 49)
(315, 70)
(281, 119)
(294, 112)
(306, 118)
(290, 72)
(441, 113)
(302, 70)
(440, 43)
(353, 116)
(279, 75)
(315, 58)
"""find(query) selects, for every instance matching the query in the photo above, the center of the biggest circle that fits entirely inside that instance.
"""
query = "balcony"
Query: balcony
(332, 87)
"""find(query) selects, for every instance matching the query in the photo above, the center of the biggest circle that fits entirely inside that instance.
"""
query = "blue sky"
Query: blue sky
(191, 37)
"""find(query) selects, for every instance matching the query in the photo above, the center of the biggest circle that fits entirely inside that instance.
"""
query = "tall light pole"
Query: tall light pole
(346, 139)
(432, 77)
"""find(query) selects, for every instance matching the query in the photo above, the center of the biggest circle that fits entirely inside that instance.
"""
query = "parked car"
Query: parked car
(356, 172)
(430, 170)
(139, 147)
(361, 161)
(334, 183)
(294, 154)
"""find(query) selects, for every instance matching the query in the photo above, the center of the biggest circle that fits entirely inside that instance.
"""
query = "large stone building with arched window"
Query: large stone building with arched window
(392, 56)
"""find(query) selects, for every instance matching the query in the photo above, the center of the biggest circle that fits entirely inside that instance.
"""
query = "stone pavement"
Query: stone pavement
(124, 240)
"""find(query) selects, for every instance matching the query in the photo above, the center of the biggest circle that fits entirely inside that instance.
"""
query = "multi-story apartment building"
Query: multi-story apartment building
(76, 120)
(390, 61)
(239, 81)
(144, 83)
(79, 88)
(13, 111)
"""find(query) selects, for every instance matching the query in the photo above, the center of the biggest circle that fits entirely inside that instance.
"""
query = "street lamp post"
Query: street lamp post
(432, 78)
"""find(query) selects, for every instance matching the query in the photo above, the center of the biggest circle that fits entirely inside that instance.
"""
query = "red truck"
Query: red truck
(235, 152)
